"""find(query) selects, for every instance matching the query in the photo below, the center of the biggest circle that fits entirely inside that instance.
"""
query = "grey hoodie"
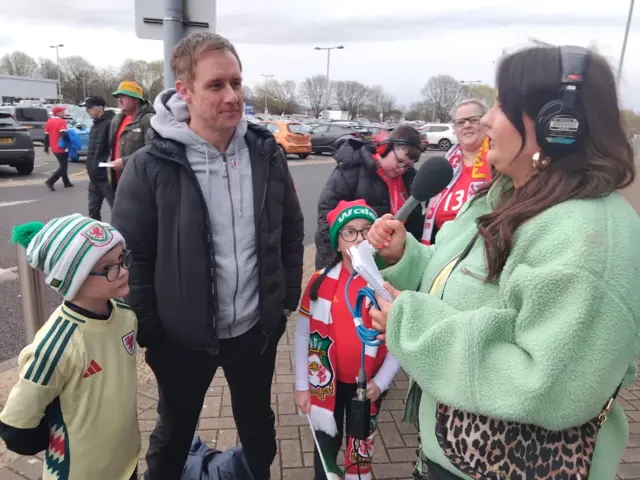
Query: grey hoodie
(225, 179)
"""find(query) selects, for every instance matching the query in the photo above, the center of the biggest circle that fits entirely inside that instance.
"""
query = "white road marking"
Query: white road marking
(18, 202)
(8, 274)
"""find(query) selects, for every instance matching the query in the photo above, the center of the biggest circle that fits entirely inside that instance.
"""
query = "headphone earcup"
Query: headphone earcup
(546, 114)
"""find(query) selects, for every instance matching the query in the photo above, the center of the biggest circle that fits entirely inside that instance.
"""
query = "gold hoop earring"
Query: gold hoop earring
(540, 162)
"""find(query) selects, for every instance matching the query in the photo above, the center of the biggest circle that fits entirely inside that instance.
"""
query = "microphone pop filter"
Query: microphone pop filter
(433, 176)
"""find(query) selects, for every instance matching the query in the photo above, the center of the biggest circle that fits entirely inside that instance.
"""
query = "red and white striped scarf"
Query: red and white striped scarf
(323, 367)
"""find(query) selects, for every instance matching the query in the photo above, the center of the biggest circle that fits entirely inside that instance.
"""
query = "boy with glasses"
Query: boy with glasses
(76, 394)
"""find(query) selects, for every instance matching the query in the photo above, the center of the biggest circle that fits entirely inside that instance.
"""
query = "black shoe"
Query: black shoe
(68, 185)
(49, 186)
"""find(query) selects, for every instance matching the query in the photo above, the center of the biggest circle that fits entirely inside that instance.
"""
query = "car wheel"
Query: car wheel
(25, 168)
(444, 144)
(303, 155)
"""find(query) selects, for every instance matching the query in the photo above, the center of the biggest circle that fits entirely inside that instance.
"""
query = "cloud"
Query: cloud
(277, 26)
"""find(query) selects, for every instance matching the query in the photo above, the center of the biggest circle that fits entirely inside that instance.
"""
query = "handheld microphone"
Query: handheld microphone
(433, 176)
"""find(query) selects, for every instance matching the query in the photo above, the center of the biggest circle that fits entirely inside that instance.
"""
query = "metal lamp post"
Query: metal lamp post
(266, 91)
(58, 68)
(624, 42)
(328, 49)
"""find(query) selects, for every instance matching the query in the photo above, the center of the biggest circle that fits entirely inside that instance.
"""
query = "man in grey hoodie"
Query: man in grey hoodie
(210, 213)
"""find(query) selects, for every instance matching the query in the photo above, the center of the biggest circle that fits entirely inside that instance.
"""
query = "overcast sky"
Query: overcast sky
(395, 43)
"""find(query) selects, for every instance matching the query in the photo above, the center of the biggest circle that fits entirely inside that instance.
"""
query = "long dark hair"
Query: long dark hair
(315, 286)
(526, 81)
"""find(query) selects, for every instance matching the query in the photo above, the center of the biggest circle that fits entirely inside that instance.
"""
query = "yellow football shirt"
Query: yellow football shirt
(80, 373)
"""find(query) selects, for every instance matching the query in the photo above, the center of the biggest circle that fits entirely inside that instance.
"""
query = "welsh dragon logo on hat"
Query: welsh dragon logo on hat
(97, 235)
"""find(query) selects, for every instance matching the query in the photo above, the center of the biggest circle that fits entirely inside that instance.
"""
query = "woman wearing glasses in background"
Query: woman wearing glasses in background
(470, 168)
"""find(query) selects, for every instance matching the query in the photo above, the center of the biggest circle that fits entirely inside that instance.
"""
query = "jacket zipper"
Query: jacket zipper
(233, 231)
(212, 268)
(264, 198)
(468, 272)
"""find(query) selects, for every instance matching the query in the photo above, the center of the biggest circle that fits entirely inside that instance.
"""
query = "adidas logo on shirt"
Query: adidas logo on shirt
(92, 370)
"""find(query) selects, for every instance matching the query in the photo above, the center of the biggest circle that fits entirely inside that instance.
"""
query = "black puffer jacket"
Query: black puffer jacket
(355, 177)
(99, 148)
(162, 213)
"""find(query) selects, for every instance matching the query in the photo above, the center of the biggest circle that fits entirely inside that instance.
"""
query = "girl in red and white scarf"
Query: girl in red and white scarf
(327, 352)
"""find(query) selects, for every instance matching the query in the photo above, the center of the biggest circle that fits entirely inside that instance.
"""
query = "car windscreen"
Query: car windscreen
(30, 114)
(7, 121)
(296, 128)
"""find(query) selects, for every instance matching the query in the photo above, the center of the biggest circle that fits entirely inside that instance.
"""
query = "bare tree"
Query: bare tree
(47, 69)
(79, 76)
(482, 92)
(441, 93)
(19, 64)
(313, 91)
(351, 96)
(105, 83)
(282, 97)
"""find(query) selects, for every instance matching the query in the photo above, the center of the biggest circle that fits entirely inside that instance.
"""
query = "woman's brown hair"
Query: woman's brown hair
(603, 162)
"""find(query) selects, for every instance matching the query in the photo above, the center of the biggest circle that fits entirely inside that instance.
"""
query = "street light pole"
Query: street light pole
(266, 91)
(328, 49)
(58, 68)
(624, 42)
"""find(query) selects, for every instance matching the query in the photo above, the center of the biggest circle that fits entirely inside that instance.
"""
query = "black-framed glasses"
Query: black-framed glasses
(350, 234)
(460, 122)
(112, 272)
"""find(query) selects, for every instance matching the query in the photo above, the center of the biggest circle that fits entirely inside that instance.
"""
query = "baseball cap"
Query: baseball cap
(57, 109)
(94, 101)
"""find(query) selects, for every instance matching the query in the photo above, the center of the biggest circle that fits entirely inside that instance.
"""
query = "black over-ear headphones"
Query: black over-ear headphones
(561, 124)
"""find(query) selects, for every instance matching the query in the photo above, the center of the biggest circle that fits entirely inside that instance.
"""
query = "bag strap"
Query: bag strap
(604, 414)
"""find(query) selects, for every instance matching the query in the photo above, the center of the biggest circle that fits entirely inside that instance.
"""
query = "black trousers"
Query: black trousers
(61, 172)
(99, 191)
(341, 413)
(183, 376)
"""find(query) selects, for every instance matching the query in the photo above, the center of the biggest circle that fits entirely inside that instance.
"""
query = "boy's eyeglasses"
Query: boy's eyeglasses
(350, 234)
(113, 271)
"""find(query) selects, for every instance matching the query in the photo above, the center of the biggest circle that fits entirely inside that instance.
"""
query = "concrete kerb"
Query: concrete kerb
(9, 370)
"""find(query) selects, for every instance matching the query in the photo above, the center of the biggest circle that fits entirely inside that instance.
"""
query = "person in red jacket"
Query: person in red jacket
(54, 130)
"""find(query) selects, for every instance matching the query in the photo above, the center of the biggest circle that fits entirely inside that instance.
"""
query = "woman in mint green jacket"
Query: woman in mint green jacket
(519, 325)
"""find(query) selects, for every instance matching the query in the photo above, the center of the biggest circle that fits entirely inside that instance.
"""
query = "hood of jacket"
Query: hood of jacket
(172, 117)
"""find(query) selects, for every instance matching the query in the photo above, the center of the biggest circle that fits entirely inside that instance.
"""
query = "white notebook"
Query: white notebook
(363, 260)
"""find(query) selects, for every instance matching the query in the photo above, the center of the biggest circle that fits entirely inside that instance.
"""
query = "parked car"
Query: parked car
(32, 117)
(16, 145)
(80, 122)
(438, 135)
(291, 137)
(329, 138)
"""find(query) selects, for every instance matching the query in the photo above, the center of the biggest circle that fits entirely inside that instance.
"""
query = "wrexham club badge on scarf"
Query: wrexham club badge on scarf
(323, 367)
(480, 175)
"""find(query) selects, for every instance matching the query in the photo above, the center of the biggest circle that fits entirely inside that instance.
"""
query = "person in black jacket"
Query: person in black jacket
(381, 175)
(213, 221)
(98, 152)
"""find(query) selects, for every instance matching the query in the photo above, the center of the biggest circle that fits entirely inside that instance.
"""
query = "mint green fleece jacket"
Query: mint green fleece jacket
(547, 344)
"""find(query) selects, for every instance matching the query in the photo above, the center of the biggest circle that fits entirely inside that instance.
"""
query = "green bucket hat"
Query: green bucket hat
(130, 89)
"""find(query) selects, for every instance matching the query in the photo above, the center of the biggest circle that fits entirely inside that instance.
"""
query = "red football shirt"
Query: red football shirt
(457, 196)
(54, 127)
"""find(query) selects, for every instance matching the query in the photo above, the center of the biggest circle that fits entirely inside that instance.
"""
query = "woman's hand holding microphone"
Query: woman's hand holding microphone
(388, 236)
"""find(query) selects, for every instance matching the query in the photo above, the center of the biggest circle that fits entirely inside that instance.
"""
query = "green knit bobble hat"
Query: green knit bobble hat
(23, 234)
